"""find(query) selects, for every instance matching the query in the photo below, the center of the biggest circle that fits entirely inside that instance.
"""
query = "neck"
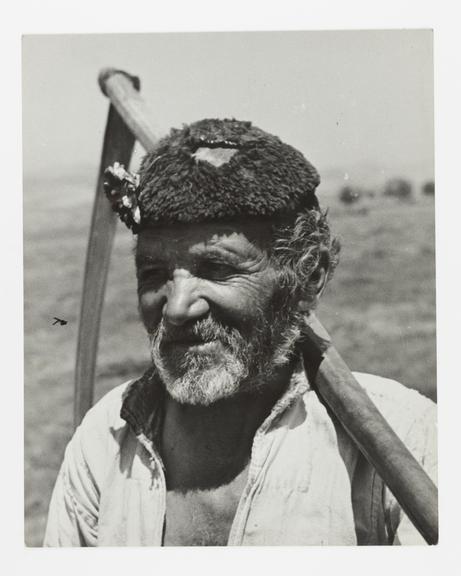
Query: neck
(205, 446)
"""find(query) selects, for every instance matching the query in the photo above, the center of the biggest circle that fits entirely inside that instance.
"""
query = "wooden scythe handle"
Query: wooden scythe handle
(340, 391)
(118, 146)
(332, 379)
(123, 92)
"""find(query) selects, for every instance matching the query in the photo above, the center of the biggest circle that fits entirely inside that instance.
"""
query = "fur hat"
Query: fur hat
(214, 170)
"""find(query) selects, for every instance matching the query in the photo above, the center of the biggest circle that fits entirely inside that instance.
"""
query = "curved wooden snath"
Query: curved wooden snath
(119, 141)
(128, 120)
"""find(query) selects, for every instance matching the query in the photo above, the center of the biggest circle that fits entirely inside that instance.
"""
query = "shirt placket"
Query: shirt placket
(258, 453)
(157, 469)
(260, 449)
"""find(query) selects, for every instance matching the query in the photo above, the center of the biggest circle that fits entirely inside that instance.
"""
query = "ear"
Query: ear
(317, 283)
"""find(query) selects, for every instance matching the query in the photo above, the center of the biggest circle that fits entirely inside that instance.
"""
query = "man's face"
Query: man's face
(210, 300)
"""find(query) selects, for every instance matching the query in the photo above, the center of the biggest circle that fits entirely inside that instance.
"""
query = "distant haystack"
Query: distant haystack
(428, 188)
(398, 188)
(349, 194)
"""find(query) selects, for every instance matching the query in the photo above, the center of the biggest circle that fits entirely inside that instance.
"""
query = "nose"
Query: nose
(183, 302)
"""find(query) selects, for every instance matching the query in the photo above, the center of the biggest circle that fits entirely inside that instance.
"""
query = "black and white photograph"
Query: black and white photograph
(229, 289)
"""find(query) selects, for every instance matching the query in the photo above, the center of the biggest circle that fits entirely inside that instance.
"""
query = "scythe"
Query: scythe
(333, 381)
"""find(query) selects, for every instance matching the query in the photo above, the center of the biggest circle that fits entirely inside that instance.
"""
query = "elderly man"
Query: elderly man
(222, 441)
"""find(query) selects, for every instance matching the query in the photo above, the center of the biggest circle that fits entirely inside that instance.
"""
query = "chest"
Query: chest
(300, 493)
(202, 517)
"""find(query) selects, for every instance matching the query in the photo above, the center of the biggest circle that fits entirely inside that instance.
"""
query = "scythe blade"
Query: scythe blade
(118, 146)
(127, 122)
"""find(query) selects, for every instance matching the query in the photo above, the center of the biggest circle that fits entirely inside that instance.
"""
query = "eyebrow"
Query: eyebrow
(225, 254)
(207, 253)
(145, 259)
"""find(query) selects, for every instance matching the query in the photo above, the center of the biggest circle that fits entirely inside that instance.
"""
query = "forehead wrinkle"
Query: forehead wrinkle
(226, 238)
(234, 245)
(162, 250)
(217, 251)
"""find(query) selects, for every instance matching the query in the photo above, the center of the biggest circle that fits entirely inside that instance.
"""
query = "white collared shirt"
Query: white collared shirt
(307, 483)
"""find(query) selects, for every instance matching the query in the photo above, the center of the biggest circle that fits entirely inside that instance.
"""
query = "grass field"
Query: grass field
(380, 309)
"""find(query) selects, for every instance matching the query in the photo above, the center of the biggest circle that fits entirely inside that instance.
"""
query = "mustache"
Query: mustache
(205, 330)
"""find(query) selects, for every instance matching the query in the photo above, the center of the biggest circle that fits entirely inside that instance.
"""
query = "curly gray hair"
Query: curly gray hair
(299, 247)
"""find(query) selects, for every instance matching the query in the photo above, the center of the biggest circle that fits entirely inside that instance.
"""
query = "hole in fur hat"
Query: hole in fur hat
(215, 156)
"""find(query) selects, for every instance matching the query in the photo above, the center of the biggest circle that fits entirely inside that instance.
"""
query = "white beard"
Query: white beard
(205, 378)
(218, 369)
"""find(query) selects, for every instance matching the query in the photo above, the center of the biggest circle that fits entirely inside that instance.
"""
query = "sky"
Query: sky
(350, 101)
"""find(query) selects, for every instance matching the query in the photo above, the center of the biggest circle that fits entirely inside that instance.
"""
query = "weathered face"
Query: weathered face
(210, 300)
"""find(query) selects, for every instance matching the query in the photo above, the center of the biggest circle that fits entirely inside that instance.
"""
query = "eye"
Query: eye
(152, 275)
(214, 270)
